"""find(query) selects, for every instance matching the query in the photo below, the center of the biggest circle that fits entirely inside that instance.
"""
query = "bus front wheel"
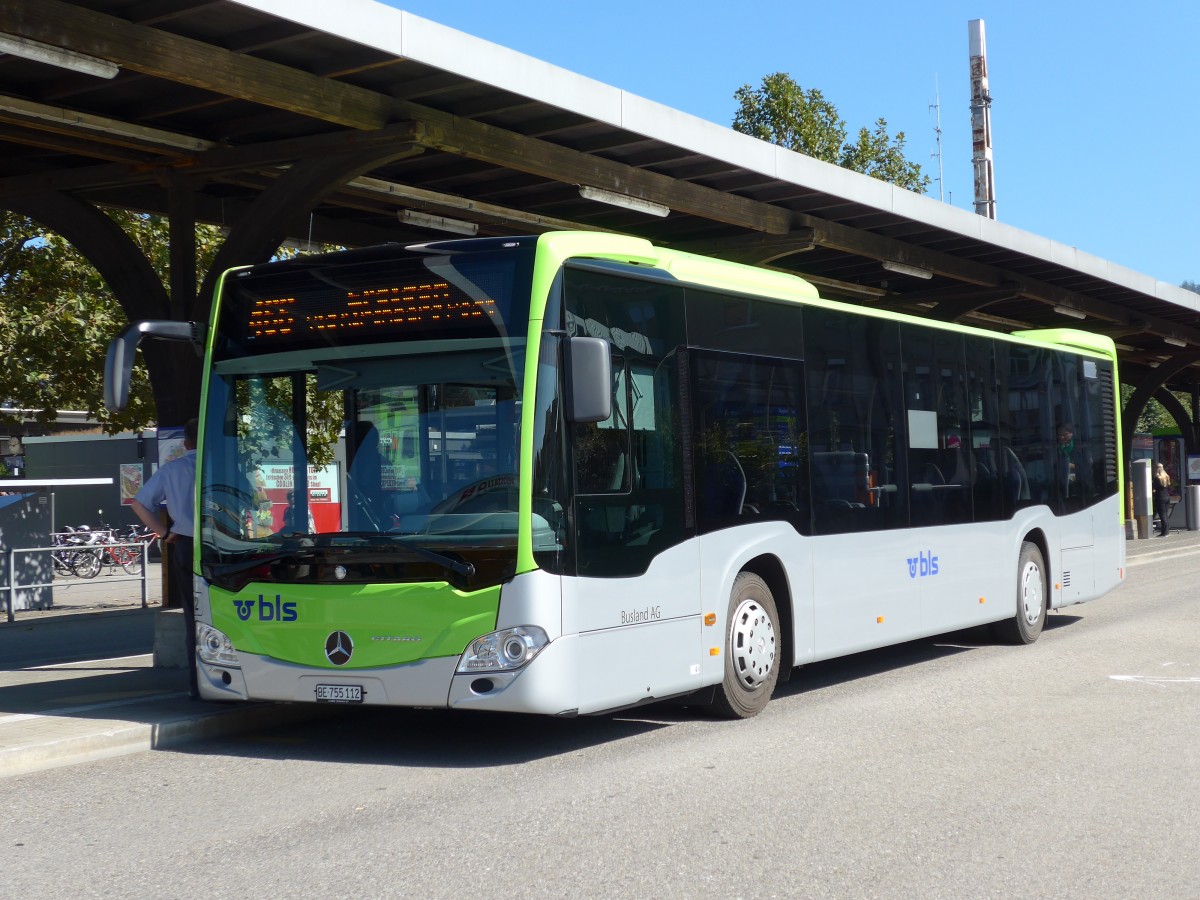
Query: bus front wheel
(751, 650)
(1032, 597)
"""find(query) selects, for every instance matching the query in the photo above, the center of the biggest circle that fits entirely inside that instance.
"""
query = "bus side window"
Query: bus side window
(983, 399)
(855, 423)
(937, 415)
(749, 439)
(1030, 387)
(1085, 392)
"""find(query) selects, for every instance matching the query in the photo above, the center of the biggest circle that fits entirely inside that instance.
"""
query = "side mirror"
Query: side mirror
(589, 380)
(118, 366)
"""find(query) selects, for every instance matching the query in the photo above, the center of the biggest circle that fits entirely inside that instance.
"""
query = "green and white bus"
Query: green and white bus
(579, 472)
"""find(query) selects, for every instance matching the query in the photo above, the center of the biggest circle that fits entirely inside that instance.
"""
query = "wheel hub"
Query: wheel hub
(1032, 600)
(752, 642)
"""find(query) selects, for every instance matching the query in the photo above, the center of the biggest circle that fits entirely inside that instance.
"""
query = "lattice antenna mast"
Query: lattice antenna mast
(936, 106)
(981, 123)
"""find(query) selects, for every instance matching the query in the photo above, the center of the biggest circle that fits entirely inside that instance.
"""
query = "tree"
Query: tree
(1154, 416)
(57, 317)
(784, 113)
(1191, 286)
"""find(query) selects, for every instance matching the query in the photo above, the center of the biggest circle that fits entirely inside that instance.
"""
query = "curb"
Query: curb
(122, 738)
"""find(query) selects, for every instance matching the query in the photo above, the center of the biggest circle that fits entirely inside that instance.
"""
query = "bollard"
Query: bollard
(1143, 507)
(1191, 495)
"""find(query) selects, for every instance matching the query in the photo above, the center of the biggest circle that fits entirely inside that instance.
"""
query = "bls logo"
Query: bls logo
(268, 611)
(923, 564)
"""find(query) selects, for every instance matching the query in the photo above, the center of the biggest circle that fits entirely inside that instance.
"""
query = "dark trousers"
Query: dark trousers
(180, 585)
(1162, 510)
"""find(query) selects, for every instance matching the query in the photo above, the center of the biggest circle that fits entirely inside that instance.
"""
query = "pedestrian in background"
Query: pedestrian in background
(167, 504)
(1162, 498)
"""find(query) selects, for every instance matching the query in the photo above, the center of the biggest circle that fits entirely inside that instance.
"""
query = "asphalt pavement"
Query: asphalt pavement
(79, 681)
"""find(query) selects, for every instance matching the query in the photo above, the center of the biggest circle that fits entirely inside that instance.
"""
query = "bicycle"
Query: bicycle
(123, 549)
(73, 555)
(126, 548)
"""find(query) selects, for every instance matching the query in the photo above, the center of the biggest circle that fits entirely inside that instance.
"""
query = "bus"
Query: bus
(584, 473)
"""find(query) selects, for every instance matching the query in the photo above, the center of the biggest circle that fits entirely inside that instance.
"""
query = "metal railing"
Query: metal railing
(13, 585)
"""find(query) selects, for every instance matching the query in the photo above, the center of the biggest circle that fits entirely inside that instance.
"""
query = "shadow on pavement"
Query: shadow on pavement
(449, 739)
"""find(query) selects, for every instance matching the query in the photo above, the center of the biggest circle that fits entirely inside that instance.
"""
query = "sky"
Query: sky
(1095, 120)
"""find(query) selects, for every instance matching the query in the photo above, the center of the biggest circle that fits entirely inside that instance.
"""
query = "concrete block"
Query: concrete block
(169, 649)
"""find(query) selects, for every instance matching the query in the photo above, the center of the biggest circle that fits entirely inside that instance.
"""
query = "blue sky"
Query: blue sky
(1095, 119)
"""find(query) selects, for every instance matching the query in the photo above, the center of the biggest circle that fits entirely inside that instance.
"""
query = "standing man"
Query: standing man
(173, 486)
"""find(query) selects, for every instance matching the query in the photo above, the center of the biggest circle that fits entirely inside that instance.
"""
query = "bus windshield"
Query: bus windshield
(355, 435)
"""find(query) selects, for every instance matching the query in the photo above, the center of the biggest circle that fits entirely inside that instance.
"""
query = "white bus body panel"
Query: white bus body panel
(624, 641)
(1085, 571)
(724, 554)
(639, 637)
(618, 642)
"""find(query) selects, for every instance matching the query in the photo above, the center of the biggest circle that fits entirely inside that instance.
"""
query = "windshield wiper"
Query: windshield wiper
(308, 554)
(224, 570)
(466, 570)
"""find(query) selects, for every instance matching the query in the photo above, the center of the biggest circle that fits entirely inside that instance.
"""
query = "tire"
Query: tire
(751, 650)
(62, 566)
(130, 557)
(87, 563)
(1032, 599)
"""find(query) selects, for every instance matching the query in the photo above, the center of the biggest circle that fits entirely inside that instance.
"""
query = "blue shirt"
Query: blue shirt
(174, 486)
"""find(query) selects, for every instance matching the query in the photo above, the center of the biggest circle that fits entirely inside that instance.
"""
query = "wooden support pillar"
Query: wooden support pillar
(181, 203)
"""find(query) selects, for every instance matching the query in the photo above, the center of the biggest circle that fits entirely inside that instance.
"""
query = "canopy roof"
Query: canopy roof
(229, 96)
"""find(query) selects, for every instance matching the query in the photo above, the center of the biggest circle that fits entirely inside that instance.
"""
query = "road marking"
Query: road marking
(1158, 556)
(1155, 679)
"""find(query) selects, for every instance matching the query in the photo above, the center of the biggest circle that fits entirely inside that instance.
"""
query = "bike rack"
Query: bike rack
(12, 587)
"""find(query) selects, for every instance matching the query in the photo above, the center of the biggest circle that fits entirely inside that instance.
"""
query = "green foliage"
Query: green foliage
(57, 316)
(782, 112)
(1155, 415)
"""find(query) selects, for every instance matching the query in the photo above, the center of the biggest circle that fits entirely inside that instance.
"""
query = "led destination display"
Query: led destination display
(375, 295)
(431, 304)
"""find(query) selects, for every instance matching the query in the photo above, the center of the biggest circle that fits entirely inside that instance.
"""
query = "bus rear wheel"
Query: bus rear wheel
(1032, 597)
(751, 650)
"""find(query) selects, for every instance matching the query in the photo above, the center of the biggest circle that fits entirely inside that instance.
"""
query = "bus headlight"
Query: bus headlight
(504, 650)
(214, 647)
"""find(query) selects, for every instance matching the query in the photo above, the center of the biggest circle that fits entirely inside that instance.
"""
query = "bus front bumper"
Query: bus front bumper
(544, 685)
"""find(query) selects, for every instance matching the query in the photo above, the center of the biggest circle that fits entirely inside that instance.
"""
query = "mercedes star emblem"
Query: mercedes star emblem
(339, 648)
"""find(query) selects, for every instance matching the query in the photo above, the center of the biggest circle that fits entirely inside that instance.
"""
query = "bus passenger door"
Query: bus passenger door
(635, 601)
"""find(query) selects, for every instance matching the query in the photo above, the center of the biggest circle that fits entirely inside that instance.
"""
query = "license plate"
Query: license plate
(339, 693)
